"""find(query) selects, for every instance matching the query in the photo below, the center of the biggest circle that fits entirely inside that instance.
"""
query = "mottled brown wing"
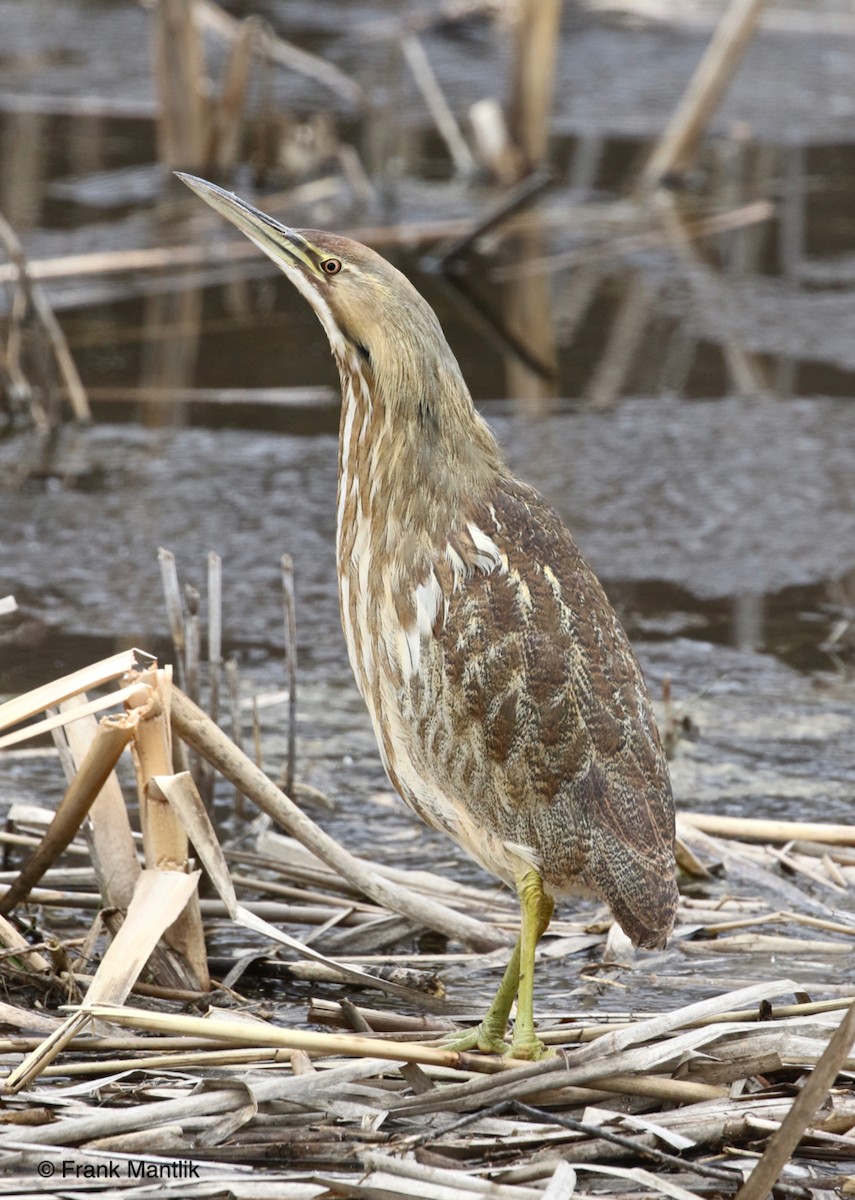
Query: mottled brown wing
(554, 740)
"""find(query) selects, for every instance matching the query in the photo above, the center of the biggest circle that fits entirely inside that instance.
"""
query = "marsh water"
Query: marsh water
(691, 419)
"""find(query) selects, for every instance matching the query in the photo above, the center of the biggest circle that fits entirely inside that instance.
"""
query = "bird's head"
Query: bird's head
(387, 342)
(372, 314)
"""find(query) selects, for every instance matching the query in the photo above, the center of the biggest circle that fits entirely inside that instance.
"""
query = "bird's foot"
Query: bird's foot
(482, 1037)
(527, 1045)
(486, 1039)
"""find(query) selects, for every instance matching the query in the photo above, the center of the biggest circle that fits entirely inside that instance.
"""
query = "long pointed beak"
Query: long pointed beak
(285, 246)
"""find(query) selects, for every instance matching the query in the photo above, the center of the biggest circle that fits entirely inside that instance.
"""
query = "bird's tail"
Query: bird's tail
(640, 891)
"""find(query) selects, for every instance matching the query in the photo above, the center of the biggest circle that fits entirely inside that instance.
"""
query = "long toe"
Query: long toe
(478, 1038)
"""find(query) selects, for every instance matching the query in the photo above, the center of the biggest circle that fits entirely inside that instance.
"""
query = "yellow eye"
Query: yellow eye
(331, 266)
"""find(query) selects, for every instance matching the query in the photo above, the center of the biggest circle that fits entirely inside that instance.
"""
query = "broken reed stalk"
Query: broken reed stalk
(256, 734)
(159, 898)
(174, 608)
(207, 778)
(30, 959)
(191, 724)
(108, 830)
(194, 642)
(702, 97)
(165, 840)
(215, 632)
(258, 1033)
(20, 708)
(290, 614)
(103, 754)
(233, 685)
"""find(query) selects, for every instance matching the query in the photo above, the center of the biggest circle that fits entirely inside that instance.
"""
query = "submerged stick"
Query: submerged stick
(204, 736)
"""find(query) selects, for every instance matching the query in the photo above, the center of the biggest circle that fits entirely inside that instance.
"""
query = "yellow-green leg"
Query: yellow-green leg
(489, 1036)
(536, 912)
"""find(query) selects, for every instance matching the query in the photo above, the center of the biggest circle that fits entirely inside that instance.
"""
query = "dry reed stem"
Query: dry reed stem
(40, 698)
(415, 233)
(62, 718)
(258, 1033)
(438, 107)
(64, 360)
(98, 764)
(782, 1144)
(185, 800)
(224, 138)
(753, 829)
(179, 74)
(290, 618)
(174, 1060)
(108, 830)
(174, 606)
(207, 739)
(215, 631)
(158, 900)
(440, 1183)
(213, 18)
(678, 143)
(536, 27)
(30, 959)
(164, 838)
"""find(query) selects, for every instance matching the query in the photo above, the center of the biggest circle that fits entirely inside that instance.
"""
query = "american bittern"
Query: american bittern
(508, 706)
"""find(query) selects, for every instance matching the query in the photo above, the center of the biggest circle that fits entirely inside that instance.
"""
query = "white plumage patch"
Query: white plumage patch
(429, 600)
(458, 566)
(489, 556)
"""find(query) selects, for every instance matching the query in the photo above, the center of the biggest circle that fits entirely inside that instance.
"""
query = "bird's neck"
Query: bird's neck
(415, 458)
